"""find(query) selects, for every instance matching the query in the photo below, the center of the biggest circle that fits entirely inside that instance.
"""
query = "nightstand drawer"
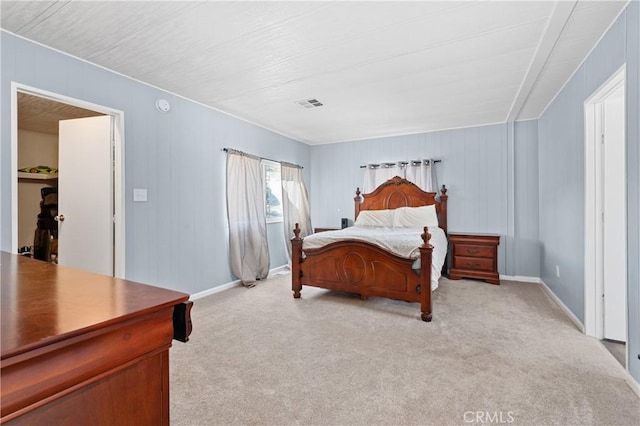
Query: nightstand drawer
(474, 263)
(473, 251)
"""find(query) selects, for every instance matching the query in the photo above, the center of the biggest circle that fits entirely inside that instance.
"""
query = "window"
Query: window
(272, 191)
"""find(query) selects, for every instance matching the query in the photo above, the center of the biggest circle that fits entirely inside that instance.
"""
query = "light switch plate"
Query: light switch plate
(139, 195)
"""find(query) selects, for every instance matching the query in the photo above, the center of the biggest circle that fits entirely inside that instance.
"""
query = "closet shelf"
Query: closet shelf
(39, 176)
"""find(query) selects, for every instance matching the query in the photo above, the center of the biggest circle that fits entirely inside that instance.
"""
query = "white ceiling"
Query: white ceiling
(379, 68)
(43, 115)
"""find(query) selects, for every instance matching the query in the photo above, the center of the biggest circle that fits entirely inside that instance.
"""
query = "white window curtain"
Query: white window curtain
(374, 176)
(423, 174)
(295, 205)
(247, 222)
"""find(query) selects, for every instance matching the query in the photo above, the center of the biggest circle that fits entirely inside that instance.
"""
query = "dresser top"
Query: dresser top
(43, 303)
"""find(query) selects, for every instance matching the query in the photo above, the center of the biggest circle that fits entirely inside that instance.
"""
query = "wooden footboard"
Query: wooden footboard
(364, 269)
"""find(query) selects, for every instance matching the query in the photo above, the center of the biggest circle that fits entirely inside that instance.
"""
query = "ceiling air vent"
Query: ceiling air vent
(310, 103)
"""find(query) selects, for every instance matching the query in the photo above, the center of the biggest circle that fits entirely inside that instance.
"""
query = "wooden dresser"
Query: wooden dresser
(81, 348)
(474, 256)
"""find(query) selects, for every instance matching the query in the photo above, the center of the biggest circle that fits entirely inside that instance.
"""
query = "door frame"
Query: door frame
(593, 255)
(118, 179)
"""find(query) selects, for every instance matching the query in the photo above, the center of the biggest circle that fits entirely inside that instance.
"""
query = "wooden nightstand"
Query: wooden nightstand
(474, 256)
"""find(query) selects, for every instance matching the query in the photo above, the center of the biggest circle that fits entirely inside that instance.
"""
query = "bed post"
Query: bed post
(357, 201)
(443, 224)
(426, 250)
(443, 208)
(296, 259)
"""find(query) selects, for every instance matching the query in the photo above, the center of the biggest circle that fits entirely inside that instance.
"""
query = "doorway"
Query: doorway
(87, 141)
(605, 215)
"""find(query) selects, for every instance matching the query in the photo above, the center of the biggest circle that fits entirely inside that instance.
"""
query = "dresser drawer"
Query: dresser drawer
(474, 263)
(473, 250)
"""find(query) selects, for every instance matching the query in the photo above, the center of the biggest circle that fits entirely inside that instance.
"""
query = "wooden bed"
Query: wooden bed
(365, 269)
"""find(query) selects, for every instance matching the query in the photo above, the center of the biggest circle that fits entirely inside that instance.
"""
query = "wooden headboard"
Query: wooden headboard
(399, 192)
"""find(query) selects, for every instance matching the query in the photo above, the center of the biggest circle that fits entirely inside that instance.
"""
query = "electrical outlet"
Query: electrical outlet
(558, 271)
(139, 195)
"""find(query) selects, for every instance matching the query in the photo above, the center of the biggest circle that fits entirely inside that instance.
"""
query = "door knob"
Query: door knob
(59, 218)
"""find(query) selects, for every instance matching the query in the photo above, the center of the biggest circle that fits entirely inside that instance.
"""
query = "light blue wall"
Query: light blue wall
(178, 239)
(474, 169)
(562, 180)
(526, 250)
(633, 182)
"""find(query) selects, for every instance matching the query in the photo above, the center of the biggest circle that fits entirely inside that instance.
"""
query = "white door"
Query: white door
(85, 194)
(614, 226)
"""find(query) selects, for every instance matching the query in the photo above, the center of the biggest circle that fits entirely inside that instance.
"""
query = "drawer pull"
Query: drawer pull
(475, 251)
(472, 265)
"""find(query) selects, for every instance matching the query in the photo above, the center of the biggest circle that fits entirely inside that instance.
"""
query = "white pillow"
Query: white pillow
(415, 217)
(375, 218)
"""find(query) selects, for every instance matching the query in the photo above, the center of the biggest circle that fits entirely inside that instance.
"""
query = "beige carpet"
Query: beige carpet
(492, 355)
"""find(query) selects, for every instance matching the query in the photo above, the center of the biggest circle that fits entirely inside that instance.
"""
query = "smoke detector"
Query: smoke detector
(163, 105)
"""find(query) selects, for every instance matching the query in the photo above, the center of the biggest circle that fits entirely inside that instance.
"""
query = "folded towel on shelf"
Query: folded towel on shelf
(39, 169)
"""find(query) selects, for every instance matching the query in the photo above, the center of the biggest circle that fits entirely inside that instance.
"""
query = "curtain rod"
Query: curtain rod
(284, 163)
(401, 163)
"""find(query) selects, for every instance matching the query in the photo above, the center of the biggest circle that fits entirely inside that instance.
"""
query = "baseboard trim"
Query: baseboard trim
(521, 278)
(633, 384)
(227, 286)
(280, 270)
(215, 290)
(562, 306)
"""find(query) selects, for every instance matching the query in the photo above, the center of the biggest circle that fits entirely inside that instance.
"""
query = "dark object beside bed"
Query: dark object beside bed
(365, 269)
